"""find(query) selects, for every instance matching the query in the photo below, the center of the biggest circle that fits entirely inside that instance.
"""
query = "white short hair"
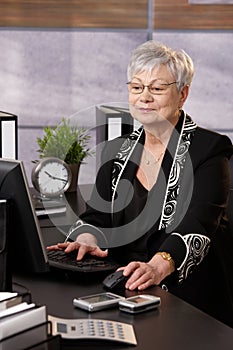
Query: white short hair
(152, 53)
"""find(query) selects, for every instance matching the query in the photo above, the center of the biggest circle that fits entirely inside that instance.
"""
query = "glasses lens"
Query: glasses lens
(157, 89)
(135, 88)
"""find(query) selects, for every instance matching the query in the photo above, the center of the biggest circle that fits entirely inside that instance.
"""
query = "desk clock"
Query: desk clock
(51, 177)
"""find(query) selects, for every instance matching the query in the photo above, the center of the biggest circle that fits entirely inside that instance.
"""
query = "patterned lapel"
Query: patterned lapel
(122, 158)
(176, 172)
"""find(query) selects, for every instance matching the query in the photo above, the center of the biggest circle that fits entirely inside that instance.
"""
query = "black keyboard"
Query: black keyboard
(64, 261)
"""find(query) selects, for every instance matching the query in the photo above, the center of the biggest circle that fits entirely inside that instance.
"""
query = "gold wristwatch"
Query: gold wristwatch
(167, 256)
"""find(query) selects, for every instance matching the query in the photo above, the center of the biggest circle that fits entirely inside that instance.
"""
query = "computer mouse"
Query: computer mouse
(116, 280)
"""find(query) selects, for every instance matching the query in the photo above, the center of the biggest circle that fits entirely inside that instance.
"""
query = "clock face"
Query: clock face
(51, 177)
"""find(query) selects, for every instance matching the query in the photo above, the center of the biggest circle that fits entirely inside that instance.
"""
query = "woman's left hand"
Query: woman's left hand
(143, 275)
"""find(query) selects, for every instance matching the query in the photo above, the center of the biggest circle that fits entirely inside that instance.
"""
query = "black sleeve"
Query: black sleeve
(209, 188)
(202, 203)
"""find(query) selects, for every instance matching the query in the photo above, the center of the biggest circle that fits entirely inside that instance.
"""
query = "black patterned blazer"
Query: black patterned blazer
(185, 213)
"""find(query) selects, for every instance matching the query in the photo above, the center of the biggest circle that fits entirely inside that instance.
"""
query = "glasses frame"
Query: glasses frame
(149, 87)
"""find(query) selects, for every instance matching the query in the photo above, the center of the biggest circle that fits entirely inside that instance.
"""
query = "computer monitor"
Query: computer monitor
(26, 250)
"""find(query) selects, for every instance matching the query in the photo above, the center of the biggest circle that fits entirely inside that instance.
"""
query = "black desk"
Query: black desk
(175, 325)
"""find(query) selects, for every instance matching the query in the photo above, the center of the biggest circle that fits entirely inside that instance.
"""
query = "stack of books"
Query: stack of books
(23, 324)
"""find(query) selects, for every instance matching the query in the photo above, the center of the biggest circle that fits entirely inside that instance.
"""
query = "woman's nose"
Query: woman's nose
(146, 96)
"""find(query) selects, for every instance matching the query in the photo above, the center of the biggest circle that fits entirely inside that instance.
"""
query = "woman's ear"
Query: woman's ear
(183, 95)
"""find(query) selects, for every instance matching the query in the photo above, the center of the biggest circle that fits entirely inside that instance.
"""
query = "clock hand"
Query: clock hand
(58, 178)
(55, 178)
(48, 174)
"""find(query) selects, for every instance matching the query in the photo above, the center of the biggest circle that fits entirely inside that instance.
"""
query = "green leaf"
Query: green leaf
(65, 142)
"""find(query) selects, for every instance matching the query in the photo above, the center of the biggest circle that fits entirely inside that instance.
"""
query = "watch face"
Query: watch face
(51, 177)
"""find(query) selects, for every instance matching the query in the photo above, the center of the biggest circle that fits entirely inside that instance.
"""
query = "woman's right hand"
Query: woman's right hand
(85, 243)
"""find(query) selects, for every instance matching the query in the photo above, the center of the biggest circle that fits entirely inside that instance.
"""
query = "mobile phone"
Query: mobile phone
(96, 302)
(139, 303)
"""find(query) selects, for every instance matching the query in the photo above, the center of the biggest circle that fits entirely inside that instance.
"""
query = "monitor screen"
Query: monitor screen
(25, 245)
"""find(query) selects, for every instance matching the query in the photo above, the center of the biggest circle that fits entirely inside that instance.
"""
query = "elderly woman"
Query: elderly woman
(161, 193)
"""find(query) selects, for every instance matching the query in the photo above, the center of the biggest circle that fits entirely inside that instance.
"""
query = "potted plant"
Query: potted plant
(68, 143)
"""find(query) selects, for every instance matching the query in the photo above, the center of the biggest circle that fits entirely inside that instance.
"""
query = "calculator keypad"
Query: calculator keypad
(93, 329)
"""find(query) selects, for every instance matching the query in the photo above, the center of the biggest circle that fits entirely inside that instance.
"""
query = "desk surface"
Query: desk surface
(174, 325)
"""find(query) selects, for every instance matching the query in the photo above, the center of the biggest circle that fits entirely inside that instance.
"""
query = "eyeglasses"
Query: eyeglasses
(154, 88)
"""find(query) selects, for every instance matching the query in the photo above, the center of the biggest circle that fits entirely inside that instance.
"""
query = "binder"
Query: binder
(111, 122)
(38, 337)
(22, 321)
(8, 135)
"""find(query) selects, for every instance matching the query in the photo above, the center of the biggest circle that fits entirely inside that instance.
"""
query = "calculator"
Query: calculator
(93, 329)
